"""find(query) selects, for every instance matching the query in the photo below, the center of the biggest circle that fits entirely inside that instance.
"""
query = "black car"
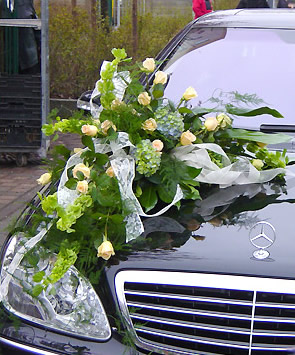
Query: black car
(216, 276)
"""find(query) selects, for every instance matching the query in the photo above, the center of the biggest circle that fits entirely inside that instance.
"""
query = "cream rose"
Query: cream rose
(82, 187)
(149, 64)
(106, 125)
(257, 163)
(144, 98)
(117, 103)
(187, 138)
(160, 78)
(158, 145)
(89, 130)
(110, 172)
(44, 179)
(105, 250)
(189, 93)
(149, 125)
(223, 120)
(83, 169)
(211, 124)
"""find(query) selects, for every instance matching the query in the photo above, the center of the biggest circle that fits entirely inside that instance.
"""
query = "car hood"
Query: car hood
(214, 235)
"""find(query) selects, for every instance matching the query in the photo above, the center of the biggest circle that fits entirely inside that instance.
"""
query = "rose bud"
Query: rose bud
(105, 250)
(44, 179)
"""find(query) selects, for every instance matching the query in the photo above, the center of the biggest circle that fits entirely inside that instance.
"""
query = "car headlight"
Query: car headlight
(70, 305)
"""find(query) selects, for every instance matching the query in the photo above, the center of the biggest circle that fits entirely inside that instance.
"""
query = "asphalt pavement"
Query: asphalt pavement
(18, 184)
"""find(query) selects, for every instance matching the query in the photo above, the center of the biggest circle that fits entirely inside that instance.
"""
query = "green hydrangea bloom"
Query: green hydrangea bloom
(169, 123)
(148, 160)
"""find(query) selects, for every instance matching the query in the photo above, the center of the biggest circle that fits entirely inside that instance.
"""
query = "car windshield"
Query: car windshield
(245, 60)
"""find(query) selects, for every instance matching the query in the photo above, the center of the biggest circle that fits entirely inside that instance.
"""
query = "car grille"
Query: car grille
(189, 313)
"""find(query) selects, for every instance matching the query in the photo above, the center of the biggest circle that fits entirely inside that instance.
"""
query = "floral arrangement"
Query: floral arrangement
(143, 154)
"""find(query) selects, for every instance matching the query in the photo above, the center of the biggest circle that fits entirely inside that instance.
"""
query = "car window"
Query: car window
(249, 61)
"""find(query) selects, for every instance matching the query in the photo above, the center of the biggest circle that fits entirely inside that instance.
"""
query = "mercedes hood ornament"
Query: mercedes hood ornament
(262, 236)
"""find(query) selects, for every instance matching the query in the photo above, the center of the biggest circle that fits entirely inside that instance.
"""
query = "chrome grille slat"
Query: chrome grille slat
(192, 313)
(188, 311)
(189, 324)
(275, 319)
(193, 339)
(276, 305)
(196, 299)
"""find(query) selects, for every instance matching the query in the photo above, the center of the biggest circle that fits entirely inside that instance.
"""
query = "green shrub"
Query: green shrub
(225, 4)
(77, 48)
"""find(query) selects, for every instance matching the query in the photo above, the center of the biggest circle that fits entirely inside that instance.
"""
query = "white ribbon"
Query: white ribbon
(238, 173)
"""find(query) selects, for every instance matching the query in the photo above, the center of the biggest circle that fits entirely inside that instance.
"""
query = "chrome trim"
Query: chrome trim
(215, 328)
(188, 298)
(252, 322)
(20, 346)
(190, 325)
(194, 338)
(275, 305)
(188, 311)
(242, 283)
(231, 282)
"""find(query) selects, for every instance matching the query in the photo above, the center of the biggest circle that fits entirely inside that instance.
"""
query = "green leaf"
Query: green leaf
(190, 182)
(63, 151)
(158, 91)
(93, 193)
(80, 175)
(71, 183)
(171, 104)
(38, 276)
(88, 142)
(119, 53)
(190, 173)
(166, 194)
(101, 159)
(190, 192)
(33, 259)
(138, 190)
(184, 110)
(267, 138)
(200, 111)
(149, 198)
(197, 124)
(116, 218)
(37, 290)
(155, 179)
(253, 112)
(112, 135)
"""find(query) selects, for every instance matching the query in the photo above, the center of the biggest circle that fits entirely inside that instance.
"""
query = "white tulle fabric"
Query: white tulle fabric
(238, 173)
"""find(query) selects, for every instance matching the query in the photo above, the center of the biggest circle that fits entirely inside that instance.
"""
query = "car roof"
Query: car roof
(249, 18)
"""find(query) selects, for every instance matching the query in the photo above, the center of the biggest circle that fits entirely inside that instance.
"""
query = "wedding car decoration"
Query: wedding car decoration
(141, 155)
